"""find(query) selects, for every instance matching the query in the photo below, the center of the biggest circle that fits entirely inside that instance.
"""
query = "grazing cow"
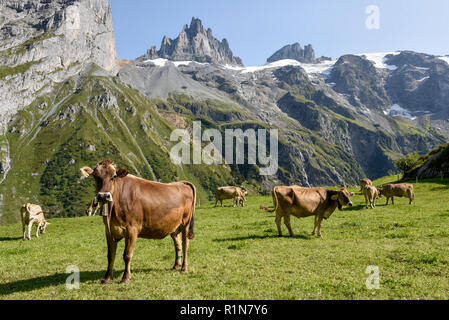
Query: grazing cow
(30, 214)
(371, 195)
(137, 208)
(305, 202)
(93, 207)
(398, 190)
(365, 182)
(236, 193)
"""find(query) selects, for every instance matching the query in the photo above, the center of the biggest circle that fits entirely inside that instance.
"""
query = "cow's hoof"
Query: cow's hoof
(106, 281)
(184, 269)
(176, 268)
(125, 280)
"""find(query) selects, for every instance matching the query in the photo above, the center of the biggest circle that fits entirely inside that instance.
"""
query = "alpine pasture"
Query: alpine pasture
(237, 254)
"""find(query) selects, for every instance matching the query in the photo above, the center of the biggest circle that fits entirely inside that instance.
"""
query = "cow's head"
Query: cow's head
(43, 226)
(343, 198)
(105, 175)
(381, 190)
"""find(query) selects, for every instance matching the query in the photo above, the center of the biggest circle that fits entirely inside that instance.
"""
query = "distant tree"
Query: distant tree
(407, 163)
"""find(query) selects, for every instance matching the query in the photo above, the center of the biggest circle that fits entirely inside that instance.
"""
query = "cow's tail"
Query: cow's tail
(275, 202)
(191, 233)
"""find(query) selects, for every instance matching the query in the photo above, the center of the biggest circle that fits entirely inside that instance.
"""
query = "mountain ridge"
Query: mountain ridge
(330, 131)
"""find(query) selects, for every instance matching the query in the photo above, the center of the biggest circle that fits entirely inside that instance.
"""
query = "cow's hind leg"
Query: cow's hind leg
(30, 225)
(177, 239)
(278, 223)
(128, 255)
(185, 247)
(288, 225)
(112, 250)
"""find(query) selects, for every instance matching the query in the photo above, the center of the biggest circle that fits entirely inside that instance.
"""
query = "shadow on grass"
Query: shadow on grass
(355, 208)
(10, 238)
(60, 279)
(302, 236)
(46, 281)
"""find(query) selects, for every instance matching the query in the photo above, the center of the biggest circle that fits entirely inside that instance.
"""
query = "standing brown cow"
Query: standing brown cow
(136, 208)
(398, 190)
(236, 193)
(305, 202)
(371, 195)
(365, 182)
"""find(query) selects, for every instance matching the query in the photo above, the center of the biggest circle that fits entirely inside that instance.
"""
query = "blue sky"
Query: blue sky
(256, 29)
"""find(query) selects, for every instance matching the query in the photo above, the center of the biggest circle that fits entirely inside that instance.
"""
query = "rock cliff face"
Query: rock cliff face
(194, 43)
(43, 42)
(295, 52)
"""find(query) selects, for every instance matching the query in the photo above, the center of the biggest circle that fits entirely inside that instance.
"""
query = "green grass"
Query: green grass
(237, 255)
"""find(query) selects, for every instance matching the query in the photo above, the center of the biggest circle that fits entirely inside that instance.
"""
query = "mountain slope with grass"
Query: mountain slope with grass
(237, 254)
(432, 165)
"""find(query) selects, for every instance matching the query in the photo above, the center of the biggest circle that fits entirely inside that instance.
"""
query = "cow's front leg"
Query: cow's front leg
(112, 250)
(128, 255)
(24, 228)
(388, 199)
(177, 239)
(37, 230)
(315, 226)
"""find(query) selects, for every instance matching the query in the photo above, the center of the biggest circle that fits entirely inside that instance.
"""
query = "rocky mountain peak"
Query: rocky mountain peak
(195, 43)
(294, 52)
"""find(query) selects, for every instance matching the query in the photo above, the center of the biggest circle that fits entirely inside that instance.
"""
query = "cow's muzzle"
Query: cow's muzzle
(350, 204)
(104, 197)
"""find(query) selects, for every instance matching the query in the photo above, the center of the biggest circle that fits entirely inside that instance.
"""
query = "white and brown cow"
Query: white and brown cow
(31, 214)
(305, 202)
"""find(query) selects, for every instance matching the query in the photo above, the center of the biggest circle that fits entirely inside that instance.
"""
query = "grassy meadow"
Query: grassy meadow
(237, 255)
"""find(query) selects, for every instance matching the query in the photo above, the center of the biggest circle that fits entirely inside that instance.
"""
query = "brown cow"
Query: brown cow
(236, 193)
(365, 182)
(371, 195)
(398, 190)
(305, 202)
(136, 208)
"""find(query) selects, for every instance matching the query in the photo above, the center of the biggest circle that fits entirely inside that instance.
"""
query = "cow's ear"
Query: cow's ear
(334, 197)
(122, 173)
(86, 172)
